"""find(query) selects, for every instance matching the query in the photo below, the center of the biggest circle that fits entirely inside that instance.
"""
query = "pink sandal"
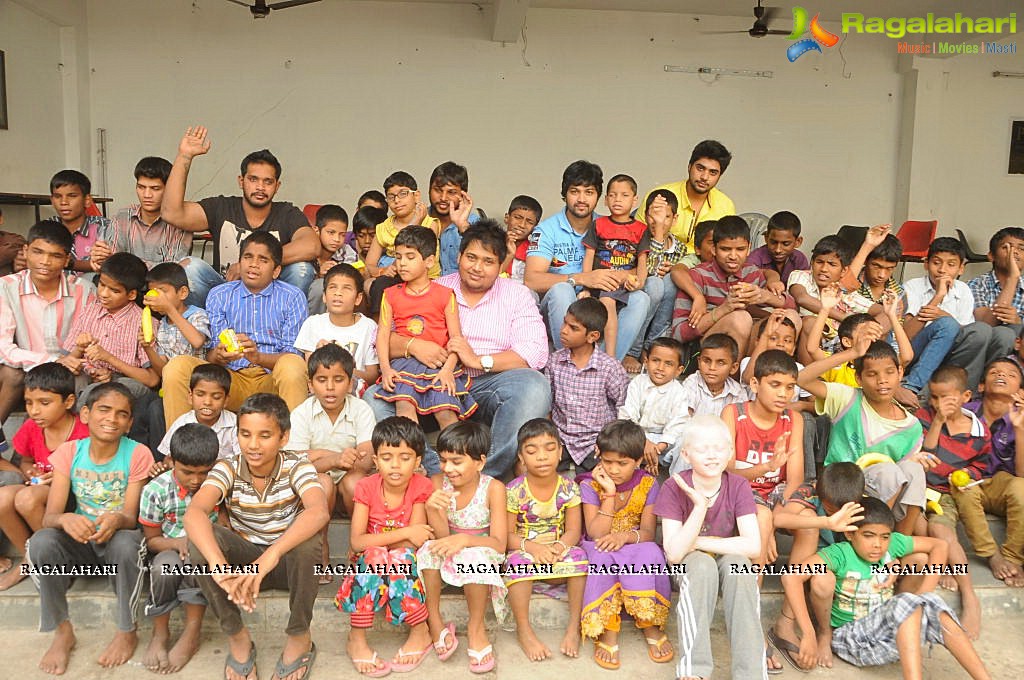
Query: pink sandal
(475, 666)
(441, 646)
(410, 666)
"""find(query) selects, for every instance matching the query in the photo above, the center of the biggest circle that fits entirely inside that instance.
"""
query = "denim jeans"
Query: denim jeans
(506, 401)
(556, 302)
(662, 293)
(931, 345)
(202, 278)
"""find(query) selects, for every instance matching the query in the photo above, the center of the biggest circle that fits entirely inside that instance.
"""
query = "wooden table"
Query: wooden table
(39, 200)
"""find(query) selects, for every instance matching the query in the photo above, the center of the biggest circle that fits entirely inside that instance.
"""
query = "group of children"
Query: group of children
(800, 411)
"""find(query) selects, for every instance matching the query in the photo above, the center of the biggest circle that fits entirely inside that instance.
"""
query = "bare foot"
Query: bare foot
(185, 648)
(155, 658)
(534, 649)
(1016, 581)
(632, 365)
(970, 615)
(948, 582)
(5, 564)
(1001, 567)
(55, 661)
(825, 653)
(12, 576)
(571, 642)
(771, 661)
(119, 650)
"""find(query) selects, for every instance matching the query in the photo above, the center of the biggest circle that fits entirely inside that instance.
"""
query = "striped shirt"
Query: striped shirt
(163, 504)
(153, 243)
(506, 318)
(271, 318)
(33, 329)
(714, 284)
(94, 228)
(117, 332)
(583, 400)
(967, 451)
(986, 289)
(262, 518)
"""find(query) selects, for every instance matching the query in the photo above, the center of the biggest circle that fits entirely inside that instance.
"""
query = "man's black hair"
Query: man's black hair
(153, 167)
(489, 234)
(582, 174)
(261, 156)
(716, 151)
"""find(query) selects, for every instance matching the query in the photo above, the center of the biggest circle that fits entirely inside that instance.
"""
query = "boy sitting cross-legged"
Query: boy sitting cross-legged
(276, 509)
(208, 392)
(162, 516)
(333, 429)
(103, 475)
(860, 618)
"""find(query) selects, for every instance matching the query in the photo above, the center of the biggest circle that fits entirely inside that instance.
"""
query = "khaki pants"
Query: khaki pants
(1002, 495)
(288, 379)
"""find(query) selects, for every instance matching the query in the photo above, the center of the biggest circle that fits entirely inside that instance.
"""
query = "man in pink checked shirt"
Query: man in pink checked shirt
(503, 346)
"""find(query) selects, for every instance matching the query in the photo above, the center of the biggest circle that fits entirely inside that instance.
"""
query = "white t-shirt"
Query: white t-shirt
(226, 429)
(360, 339)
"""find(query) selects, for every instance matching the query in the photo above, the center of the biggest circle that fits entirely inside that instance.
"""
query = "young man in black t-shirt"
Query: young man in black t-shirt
(230, 219)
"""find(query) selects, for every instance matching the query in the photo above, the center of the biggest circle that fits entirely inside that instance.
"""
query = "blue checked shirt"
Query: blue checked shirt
(986, 290)
(271, 317)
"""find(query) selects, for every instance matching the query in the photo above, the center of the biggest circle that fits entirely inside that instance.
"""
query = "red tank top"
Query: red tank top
(755, 446)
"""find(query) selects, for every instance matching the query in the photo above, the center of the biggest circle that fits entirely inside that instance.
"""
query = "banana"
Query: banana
(932, 501)
(147, 318)
(869, 459)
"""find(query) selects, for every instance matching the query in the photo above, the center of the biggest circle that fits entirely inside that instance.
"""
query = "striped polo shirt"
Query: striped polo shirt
(261, 518)
(714, 283)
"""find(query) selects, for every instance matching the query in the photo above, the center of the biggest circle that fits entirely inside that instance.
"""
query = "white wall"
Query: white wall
(345, 92)
(343, 97)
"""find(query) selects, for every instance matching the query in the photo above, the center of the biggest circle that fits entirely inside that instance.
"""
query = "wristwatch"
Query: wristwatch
(487, 363)
(571, 281)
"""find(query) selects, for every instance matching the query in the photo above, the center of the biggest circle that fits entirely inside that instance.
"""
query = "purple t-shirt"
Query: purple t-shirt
(762, 259)
(735, 499)
(1004, 441)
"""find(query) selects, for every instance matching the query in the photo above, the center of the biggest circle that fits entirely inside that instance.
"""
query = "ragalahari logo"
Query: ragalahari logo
(819, 36)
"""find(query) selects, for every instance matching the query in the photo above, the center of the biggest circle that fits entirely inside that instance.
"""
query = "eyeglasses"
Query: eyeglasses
(394, 198)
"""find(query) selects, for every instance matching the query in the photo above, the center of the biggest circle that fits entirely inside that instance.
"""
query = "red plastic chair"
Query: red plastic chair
(309, 210)
(915, 236)
(93, 210)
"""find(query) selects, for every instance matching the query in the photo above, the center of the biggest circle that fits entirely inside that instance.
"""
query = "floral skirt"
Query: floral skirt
(611, 586)
(414, 384)
(386, 580)
(519, 566)
(473, 565)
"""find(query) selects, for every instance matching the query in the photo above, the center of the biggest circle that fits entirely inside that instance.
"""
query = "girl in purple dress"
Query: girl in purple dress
(627, 568)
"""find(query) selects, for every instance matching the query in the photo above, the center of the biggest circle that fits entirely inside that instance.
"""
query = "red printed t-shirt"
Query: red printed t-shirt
(617, 245)
(734, 501)
(30, 442)
(420, 316)
(370, 492)
(755, 446)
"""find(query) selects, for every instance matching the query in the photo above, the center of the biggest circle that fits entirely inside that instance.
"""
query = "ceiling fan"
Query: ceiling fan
(762, 17)
(261, 10)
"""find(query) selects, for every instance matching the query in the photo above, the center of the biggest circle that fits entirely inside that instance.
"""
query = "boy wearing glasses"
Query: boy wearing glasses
(407, 208)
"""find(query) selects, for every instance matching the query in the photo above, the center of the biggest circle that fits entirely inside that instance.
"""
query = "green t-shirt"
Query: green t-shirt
(858, 429)
(858, 591)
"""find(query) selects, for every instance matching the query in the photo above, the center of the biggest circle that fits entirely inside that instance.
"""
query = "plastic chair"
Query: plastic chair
(852, 236)
(758, 224)
(309, 210)
(93, 210)
(915, 236)
(972, 257)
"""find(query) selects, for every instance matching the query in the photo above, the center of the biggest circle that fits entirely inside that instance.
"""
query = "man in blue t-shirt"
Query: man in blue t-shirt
(554, 259)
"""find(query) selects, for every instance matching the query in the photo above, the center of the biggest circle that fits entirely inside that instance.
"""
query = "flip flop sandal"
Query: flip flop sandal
(611, 649)
(306, 661)
(377, 672)
(656, 644)
(325, 579)
(787, 648)
(475, 665)
(444, 652)
(243, 668)
(411, 665)
(768, 657)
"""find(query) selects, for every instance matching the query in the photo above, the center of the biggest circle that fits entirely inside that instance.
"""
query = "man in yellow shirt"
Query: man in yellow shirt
(699, 200)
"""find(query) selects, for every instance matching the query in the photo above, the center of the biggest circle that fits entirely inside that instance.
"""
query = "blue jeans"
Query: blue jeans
(662, 293)
(506, 401)
(202, 278)
(931, 345)
(556, 302)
